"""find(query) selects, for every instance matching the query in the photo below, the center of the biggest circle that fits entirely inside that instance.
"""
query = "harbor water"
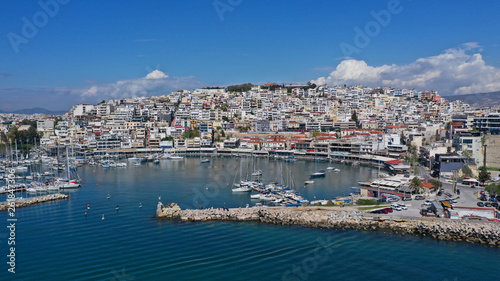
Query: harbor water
(58, 241)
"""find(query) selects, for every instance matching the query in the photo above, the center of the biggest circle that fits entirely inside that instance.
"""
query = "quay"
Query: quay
(23, 202)
(18, 189)
(441, 229)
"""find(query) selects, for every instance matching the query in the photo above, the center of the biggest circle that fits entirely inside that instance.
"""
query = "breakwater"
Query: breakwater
(475, 232)
(32, 200)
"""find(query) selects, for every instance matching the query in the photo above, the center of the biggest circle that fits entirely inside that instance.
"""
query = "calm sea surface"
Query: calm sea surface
(56, 241)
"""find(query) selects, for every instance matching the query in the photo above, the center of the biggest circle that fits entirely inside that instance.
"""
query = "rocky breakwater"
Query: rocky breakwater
(476, 232)
(23, 202)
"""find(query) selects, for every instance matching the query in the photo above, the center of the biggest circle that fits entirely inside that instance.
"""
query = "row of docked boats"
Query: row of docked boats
(272, 192)
(29, 176)
(54, 185)
(278, 194)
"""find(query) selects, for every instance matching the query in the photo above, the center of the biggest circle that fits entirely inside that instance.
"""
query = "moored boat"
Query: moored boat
(318, 174)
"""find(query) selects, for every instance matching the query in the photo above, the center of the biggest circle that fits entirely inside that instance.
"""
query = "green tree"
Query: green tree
(29, 122)
(240, 88)
(467, 154)
(354, 116)
(168, 138)
(484, 175)
(416, 185)
(437, 183)
(190, 134)
(13, 133)
(493, 189)
(466, 171)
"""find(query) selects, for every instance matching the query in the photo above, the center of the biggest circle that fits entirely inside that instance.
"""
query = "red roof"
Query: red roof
(427, 184)
(395, 161)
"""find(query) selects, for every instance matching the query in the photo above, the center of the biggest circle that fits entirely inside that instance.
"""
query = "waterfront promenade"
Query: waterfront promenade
(442, 229)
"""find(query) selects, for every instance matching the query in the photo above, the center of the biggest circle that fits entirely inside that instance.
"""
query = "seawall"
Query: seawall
(32, 201)
(442, 229)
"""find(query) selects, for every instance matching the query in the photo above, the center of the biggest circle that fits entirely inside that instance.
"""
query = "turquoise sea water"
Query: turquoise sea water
(56, 241)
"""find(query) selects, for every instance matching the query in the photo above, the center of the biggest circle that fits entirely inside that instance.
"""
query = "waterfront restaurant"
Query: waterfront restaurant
(377, 188)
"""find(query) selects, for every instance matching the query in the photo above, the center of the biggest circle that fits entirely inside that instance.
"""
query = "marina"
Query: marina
(202, 246)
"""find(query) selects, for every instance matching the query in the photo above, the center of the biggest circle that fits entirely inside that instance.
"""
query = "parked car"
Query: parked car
(487, 204)
(381, 211)
(390, 210)
(403, 206)
(427, 203)
(480, 204)
(406, 198)
(494, 204)
(419, 197)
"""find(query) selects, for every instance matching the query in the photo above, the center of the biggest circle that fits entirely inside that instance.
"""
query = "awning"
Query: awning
(446, 204)
(396, 161)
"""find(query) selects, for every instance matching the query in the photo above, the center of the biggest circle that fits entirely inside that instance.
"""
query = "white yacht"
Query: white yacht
(244, 188)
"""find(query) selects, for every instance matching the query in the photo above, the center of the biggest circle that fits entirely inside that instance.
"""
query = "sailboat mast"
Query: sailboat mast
(67, 163)
(17, 155)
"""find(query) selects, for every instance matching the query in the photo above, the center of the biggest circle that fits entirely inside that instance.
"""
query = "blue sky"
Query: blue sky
(87, 49)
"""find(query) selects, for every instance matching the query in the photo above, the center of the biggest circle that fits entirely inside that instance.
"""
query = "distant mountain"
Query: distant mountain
(35, 110)
(482, 99)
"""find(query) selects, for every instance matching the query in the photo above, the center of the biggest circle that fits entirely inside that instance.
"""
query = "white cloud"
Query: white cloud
(156, 74)
(455, 71)
(155, 83)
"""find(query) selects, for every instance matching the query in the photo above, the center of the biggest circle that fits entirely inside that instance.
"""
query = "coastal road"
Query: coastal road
(467, 197)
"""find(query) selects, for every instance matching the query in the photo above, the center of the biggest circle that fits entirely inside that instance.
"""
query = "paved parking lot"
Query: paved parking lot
(467, 198)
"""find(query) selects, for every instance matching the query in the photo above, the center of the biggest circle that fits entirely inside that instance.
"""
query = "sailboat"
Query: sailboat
(242, 186)
(204, 160)
(67, 182)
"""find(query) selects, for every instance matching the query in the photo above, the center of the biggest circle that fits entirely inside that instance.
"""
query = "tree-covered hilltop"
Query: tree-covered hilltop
(240, 88)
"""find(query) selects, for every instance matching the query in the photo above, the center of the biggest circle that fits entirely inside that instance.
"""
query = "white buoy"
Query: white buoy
(102, 216)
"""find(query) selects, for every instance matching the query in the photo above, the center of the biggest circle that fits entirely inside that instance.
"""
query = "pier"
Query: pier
(23, 202)
(17, 189)
(441, 229)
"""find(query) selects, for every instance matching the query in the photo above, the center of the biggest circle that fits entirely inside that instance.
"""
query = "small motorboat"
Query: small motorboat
(318, 174)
